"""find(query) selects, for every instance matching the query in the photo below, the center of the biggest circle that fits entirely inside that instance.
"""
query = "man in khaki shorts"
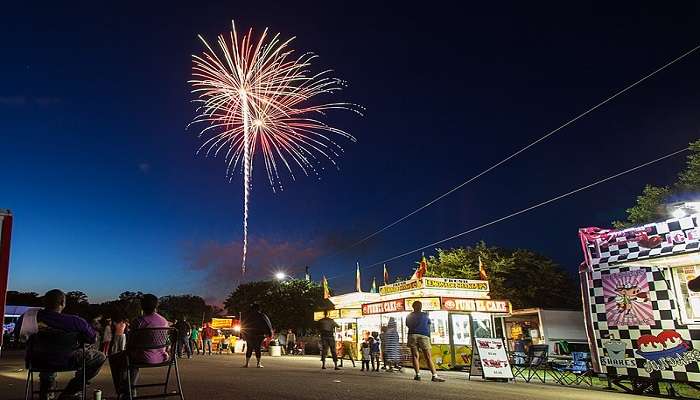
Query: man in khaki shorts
(418, 325)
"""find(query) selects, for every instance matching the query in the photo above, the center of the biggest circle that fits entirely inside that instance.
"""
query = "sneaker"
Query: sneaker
(437, 379)
(416, 378)
(260, 366)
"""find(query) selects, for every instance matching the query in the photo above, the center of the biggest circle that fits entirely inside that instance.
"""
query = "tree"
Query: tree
(30, 299)
(524, 277)
(650, 204)
(289, 304)
(76, 303)
(193, 308)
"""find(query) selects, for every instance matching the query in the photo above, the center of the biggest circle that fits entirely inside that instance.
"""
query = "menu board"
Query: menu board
(493, 358)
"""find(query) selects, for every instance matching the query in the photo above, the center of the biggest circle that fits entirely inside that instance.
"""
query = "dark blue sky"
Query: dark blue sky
(109, 195)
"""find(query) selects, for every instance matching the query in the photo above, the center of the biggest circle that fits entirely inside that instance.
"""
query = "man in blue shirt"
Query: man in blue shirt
(52, 318)
(418, 325)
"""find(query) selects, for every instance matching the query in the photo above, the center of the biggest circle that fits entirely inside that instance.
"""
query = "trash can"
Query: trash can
(275, 351)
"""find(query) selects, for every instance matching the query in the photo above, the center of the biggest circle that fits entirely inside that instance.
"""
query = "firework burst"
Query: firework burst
(256, 97)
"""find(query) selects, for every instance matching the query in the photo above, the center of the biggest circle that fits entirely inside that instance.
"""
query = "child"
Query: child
(365, 355)
(374, 351)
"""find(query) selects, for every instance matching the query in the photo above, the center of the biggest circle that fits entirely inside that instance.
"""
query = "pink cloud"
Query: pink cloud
(221, 262)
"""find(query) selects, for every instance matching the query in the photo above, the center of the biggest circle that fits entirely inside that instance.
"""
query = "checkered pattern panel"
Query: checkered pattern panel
(666, 317)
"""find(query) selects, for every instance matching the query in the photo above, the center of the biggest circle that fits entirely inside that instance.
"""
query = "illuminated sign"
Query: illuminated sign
(221, 323)
(429, 303)
(452, 304)
(459, 284)
(383, 307)
(400, 287)
(341, 313)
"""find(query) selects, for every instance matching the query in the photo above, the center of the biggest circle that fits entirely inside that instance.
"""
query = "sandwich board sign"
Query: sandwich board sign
(490, 360)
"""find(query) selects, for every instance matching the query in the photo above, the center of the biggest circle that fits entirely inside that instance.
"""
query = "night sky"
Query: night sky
(108, 194)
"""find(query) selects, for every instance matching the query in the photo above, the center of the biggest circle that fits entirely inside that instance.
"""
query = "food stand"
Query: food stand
(459, 310)
(529, 326)
(642, 320)
(347, 313)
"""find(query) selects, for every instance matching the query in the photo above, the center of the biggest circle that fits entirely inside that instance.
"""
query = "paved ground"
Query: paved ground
(220, 377)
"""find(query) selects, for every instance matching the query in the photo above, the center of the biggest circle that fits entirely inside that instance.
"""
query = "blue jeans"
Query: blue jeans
(206, 345)
(183, 341)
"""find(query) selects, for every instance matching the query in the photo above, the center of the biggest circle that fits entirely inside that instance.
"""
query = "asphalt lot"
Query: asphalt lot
(221, 377)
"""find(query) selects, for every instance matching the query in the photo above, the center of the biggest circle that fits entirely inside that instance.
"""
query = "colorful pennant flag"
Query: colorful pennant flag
(422, 269)
(358, 287)
(386, 275)
(374, 285)
(326, 290)
(307, 277)
(482, 271)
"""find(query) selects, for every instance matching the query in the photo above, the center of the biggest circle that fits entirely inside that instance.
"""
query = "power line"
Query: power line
(524, 210)
(496, 165)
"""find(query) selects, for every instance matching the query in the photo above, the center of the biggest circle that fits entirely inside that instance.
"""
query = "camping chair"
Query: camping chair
(46, 346)
(153, 339)
(578, 372)
(537, 362)
(518, 364)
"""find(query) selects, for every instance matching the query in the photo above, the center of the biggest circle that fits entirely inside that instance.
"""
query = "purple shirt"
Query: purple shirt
(67, 323)
(153, 356)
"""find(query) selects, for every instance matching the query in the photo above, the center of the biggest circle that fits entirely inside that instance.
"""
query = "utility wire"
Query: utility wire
(524, 210)
(496, 165)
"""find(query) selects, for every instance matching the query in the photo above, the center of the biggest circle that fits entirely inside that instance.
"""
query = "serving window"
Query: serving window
(688, 301)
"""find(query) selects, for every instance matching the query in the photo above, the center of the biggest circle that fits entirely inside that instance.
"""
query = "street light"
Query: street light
(280, 276)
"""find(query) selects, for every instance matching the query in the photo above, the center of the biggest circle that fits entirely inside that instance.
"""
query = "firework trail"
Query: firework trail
(255, 95)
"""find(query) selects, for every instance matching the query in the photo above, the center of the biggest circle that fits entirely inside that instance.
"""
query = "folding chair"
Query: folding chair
(143, 339)
(518, 364)
(537, 362)
(43, 349)
(577, 371)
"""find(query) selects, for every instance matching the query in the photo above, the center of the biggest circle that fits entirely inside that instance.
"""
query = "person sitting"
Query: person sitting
(117, 361)
(51, 318)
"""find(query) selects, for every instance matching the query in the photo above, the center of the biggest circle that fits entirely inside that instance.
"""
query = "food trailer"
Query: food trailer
(643, 322)
(530, 326)
(347, 313)
(459, 310)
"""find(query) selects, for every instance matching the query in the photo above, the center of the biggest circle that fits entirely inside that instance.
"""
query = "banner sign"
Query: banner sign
(340, 313)
(400, 287)
(452, 304)
(429, 303)
(435, 283)
(222, 323)
(383, 307)
(5, 233)
(459, 284)
(493, 357)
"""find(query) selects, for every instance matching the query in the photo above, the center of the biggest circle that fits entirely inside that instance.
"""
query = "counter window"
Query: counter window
(482, 325)
(438, 327)
(689, 300)
(461, 335)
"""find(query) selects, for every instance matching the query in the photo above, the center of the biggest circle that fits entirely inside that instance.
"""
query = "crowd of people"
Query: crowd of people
(108, 340)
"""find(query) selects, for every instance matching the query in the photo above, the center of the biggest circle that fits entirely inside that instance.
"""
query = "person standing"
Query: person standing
(282, 342)
(194, 339)
(391, 347)
(119, 341)
(291, 341)
(365, 355)
(207, 335)
(374, 351)
(107, 336)
(256, 327)
(183, 337)
(418, 325)
(327, 327)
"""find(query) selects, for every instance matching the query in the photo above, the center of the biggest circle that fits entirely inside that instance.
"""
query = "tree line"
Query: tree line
(126, 306)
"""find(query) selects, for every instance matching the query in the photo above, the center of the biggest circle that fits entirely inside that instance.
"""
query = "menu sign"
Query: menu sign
(221, 323)
(428, 303)
(493, 357)
(400, 287)
(452, 304)
(459, 284)
(383, 307)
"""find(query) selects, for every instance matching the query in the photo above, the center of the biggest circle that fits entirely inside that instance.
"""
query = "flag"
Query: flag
(422, 269)
(326, 291)
(358, 287)
(386, 275)
(482, 271)
(374, 285)
(307, 277)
